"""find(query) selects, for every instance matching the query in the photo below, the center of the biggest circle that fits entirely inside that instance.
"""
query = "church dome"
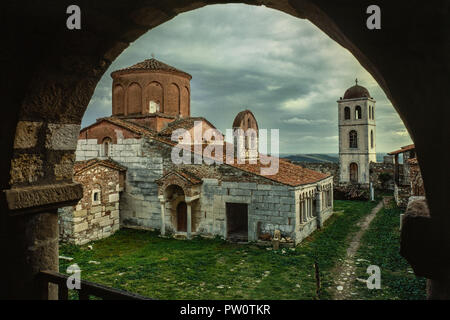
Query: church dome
(356, 91)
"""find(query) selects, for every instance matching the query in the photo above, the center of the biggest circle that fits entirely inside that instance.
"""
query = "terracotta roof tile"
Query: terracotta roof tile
(152, 65)
(403, 149)
(183, 123)
(80, 166)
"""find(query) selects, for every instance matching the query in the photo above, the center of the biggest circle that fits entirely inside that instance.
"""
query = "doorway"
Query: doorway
(237, 221)
(353, 172)
(182, 217)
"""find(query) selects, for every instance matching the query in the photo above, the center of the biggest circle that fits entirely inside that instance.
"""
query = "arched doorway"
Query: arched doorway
(353, 172)
(182, 217)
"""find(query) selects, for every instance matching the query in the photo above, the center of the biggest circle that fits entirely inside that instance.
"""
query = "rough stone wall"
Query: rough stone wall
(401, 195)
(90, 219)
(382, 175)
(417, 187)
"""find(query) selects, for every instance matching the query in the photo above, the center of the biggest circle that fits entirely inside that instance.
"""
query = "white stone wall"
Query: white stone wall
(307, 223)
(87, 149)
(273, 206)
(139, 204)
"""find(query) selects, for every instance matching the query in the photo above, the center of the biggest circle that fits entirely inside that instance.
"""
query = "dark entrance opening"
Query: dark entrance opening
(182, 216)
(353, 172)
(237, 221)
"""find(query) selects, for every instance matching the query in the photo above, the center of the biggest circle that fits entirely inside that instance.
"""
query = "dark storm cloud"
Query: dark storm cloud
(284, 69)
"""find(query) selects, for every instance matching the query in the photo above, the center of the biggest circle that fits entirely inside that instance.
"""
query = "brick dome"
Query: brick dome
(356, 91)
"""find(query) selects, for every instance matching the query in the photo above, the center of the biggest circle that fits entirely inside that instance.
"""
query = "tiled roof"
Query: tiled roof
(240, 116)
(80, 166)
(183, 123)
(403, 149)
(140, 129)
(153, 65)
(288, 173)
(189, 176)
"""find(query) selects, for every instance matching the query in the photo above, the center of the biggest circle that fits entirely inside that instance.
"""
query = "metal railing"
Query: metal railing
(87, 289)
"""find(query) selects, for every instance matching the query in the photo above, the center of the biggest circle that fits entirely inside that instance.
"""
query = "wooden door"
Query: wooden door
(182, 216)
(353, 172)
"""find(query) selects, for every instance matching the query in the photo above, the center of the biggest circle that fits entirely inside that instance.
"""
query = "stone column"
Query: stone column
(29, 237)
(319, 209)
(189, 219)
(29, 245)
(332, 197)
(162, 202)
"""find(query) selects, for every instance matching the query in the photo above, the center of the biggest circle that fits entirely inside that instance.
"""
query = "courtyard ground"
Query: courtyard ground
(161, 268)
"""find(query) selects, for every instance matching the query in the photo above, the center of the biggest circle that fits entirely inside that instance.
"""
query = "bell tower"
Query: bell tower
(357, 143)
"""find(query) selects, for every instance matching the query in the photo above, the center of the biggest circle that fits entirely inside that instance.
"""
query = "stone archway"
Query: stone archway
(47, 93)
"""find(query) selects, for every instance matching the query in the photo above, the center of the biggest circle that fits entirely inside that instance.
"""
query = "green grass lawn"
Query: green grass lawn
(380, 246)
(142, 262)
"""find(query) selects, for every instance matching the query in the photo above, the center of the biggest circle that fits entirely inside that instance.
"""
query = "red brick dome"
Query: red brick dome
(356, 91)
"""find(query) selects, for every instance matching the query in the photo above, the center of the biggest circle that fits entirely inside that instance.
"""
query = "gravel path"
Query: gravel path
(345, 271)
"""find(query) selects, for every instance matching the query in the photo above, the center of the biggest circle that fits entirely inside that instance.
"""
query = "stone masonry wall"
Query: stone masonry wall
(382, 175)
(93, 220)
(271, 205)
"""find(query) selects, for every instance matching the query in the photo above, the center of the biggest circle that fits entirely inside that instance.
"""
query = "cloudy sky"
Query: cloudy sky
(284, 69)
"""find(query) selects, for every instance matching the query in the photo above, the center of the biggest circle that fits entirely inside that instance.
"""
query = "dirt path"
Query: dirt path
(345, 270)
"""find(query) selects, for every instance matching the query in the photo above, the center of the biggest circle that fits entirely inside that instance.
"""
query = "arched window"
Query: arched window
(96, 195)
(358, 113)
(106, 145)
(353, 172)
(371, 139)
(353, 139)
(346, 113)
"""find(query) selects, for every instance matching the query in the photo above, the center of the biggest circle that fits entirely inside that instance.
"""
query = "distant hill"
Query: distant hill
(312, 157)
(320, 157)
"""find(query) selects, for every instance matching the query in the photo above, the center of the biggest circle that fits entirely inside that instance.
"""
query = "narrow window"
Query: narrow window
(106, 144)
(346, 113)
(353, 139)
(373, 113)
(96, 195)
(371, 139)
(358, 113)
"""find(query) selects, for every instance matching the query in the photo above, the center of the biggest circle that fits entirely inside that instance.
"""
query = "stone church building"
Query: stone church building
(151, 101)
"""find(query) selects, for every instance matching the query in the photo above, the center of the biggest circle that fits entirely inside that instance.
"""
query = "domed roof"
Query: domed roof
(356, 91)
(241, 116)
(152, 65)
